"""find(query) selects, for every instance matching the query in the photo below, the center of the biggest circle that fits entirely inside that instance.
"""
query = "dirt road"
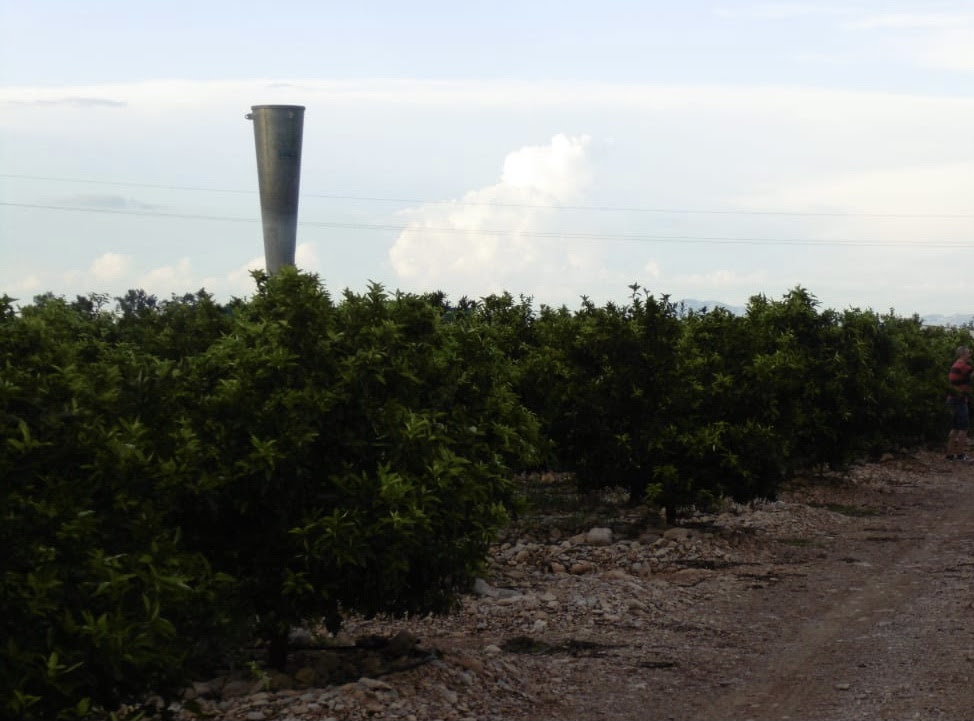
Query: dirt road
(873, 619)
(882, 627)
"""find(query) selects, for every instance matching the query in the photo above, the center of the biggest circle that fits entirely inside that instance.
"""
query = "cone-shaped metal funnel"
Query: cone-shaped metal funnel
(277, 134)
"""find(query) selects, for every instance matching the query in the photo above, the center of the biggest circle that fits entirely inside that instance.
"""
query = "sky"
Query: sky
(552, 150)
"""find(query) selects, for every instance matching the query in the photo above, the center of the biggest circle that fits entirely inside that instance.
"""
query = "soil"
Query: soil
(849, 597)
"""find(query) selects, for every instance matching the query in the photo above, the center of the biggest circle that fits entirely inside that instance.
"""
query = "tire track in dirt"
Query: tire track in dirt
(889, 633)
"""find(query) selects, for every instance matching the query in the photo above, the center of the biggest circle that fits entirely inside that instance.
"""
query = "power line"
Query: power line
(591, 208)
(116, 211)
(649, 238)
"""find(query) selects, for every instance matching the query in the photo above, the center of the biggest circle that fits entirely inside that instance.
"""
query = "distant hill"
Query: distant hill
(954, 319)
(693, 304)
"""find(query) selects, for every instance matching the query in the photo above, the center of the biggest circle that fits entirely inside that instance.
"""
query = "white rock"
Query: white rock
(599, 537)
(375, 684)
(482, 588)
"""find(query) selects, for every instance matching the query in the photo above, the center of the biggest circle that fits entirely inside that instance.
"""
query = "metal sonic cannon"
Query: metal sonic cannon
(277, 134)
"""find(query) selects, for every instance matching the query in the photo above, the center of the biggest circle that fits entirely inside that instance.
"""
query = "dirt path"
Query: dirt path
(883, 629)
(877, 622)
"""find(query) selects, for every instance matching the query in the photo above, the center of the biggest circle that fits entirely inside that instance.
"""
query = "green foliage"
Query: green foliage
(727, 444)
(713, 404)
(100, 604)
(179, 476)
(365, 447)
(601, 380)
(175, 473)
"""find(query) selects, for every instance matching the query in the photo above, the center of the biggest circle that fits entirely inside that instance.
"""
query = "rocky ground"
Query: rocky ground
(848, 598)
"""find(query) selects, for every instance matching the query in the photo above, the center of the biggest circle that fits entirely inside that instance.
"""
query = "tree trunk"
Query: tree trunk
(277, 650)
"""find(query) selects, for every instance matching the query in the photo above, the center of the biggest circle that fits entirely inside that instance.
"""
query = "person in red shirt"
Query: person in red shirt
(958, 403)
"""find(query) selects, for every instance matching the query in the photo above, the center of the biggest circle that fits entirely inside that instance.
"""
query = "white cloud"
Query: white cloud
(952, 50)
(27, 284)
(786, 10)
(109, 267)
(909, 201)
(721, 278)
(500, 233)
(166, 279)
(912, 21)
(933, 40)
(306, 257)
(236, 282)
(558, 171)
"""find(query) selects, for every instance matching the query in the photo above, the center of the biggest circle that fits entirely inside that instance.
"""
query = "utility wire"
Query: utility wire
(420, 201)
(533, 234)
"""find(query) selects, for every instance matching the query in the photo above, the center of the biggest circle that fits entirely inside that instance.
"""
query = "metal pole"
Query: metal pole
(277, 134)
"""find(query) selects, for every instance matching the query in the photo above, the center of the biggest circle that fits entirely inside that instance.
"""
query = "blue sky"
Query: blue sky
(710, 150)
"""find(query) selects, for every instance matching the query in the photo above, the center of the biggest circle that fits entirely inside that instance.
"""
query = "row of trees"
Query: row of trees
(684, 407)
(179, 478)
